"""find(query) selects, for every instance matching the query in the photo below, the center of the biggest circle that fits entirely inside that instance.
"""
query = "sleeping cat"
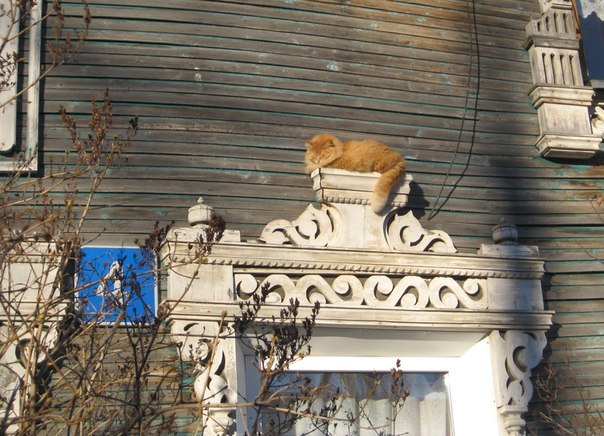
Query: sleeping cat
(327, 151)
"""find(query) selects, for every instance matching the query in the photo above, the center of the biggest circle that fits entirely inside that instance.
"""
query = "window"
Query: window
(115, 279)
(591, 19)
(367, 405)
(448, 375)
(9, 32)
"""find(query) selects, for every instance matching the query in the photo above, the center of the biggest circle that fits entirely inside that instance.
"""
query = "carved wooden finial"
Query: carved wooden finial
(505, 233)
(200, 214)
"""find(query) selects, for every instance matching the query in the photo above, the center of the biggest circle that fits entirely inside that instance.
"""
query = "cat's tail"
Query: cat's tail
(385, 184)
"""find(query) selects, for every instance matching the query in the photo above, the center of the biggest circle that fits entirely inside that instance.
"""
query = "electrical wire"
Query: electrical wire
(473, 32)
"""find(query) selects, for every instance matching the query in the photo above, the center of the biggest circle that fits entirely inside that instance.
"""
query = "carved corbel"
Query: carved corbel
(19, 359)
(515, 353)
(29, 321)
(207, 346)
(597, 121)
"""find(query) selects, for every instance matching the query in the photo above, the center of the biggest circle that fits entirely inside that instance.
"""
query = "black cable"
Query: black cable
(473, 32)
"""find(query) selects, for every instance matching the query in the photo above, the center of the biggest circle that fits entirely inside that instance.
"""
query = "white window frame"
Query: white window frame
(469, 376)
(8, 114)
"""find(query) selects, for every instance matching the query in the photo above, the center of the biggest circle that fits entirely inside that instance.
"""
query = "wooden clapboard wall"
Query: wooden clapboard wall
(227, 91)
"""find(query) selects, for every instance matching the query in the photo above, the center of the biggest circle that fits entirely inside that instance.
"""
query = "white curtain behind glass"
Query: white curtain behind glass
(424, 413)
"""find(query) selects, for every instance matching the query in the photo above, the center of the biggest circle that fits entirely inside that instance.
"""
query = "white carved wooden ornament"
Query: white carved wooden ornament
(410, 292)
(369, 270)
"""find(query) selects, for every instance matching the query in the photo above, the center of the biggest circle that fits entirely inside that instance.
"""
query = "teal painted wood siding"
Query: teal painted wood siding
(227, 91)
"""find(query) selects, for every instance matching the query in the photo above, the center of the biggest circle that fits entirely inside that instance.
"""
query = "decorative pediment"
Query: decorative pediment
(345, 219)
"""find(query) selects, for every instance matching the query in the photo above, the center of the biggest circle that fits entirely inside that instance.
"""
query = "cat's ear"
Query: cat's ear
(330, 143)
(307, 144)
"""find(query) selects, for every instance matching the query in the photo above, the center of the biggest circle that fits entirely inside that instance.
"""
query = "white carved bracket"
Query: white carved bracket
(17, 353)
(597, 121)
(210, 350)
(515, 353)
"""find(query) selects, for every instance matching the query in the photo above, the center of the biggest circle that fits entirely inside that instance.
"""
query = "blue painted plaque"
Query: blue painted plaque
(117, 283)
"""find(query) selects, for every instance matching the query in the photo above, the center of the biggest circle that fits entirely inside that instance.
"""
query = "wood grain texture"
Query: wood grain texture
(227, 91)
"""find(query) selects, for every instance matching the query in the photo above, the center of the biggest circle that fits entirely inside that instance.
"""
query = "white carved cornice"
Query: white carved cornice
(268, 258)
(392, 318)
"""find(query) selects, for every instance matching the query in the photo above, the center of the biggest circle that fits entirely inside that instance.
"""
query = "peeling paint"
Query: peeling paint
(333, 66)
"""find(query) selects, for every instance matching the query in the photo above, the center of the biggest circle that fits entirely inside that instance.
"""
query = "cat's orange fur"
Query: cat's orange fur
(325, 150)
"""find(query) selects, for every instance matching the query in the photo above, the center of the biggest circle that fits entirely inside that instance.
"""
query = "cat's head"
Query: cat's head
(322, 150)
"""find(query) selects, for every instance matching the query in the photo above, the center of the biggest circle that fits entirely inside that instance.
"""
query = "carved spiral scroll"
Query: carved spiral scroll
(376, 291)
(446, 293)
(405, 233)
(345, 289)
(313, 228)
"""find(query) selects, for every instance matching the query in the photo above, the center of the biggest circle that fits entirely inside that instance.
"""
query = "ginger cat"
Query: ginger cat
(327, 151)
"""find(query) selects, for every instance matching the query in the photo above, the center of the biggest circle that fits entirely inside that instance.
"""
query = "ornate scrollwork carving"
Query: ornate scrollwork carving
(211, 383)
(522, 351)
(515, 354)
(200, 343)
(313, 228)
(405, 233)
(376, 291)
(203, 344)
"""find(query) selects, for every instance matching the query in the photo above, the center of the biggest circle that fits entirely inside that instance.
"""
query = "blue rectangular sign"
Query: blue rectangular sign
(117, 282)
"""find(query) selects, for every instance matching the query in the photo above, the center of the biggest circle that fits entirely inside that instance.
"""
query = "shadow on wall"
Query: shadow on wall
(417, 202)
